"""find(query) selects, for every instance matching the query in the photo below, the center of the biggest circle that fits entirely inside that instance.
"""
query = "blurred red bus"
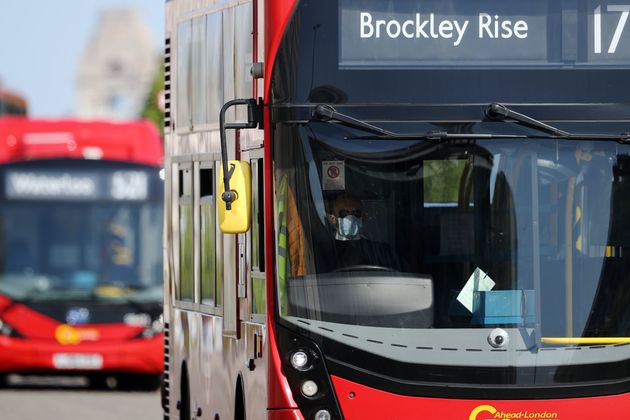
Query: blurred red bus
(80, 249)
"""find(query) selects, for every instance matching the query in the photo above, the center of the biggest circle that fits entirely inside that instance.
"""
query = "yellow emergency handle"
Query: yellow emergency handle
(585, 340)
(238, 218)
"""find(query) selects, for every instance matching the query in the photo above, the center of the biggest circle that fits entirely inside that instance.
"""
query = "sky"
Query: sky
(41, 42)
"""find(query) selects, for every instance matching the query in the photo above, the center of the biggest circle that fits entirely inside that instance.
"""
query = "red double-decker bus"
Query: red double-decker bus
(80, 254)
(411, 210)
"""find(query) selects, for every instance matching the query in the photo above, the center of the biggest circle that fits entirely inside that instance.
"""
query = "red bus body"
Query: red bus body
(30, 139)
(229, 352)
(43, 338)
(65, 335)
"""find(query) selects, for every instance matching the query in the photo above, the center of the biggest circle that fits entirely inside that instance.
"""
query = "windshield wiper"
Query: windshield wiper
(326, 113)
(499, 112)
(494, 111)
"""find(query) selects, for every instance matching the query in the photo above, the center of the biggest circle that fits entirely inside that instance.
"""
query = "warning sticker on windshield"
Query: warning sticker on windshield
(333, 175)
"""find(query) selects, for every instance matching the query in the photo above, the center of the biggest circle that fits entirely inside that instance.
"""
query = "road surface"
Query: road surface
(77, 402)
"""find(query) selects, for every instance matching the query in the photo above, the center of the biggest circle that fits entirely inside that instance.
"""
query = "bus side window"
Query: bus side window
(258, 238)
(184, 83)
(214, 49)
(243, 52)
(198, 72)
(185, 199)
(207, 204)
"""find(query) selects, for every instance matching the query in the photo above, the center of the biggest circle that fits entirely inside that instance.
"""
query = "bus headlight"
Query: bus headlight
(308, 378)
(156, 327)
(309, 388)
(299, 360)
(323, 415)
(158, 324)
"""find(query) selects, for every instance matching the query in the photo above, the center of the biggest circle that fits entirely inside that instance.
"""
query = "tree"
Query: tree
(152, 110)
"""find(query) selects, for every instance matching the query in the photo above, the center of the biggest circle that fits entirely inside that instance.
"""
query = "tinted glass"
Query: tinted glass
(59, 246)
(452, 242)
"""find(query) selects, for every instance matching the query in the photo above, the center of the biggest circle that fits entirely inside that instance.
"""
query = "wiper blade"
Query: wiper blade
(327, 113)
(494, 111)
(499, 112)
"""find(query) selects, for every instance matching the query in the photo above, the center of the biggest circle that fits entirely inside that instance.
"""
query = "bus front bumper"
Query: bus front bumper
(142, 356)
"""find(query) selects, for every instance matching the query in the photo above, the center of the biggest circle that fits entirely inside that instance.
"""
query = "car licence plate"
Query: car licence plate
(77, 361)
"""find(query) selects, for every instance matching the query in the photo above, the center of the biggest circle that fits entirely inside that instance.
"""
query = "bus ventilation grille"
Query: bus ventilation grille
(166, 385)
(167, 85)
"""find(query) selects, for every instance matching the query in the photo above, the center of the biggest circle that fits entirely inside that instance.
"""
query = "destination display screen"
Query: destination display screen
(119, 185)
(483, 33)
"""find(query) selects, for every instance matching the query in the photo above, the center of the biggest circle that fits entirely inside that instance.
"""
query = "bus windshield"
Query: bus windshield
(502, 261)
(75, 233)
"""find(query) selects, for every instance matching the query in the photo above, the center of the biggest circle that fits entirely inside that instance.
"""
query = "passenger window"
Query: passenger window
(184, 47)
(199, 72)
(243, 53)
(185, 291)
(257, 238)
(208, 237)
(214, 48)
(258, 245)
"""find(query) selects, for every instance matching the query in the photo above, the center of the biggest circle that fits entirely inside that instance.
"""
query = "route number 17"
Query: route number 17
(597, 27)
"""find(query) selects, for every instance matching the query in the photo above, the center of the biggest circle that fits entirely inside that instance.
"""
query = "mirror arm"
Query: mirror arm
(254, 120)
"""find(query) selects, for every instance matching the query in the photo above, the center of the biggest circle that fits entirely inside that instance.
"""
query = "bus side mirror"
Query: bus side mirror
(237, 219)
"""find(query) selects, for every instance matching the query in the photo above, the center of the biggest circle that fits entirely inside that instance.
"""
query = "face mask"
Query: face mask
(349, 226)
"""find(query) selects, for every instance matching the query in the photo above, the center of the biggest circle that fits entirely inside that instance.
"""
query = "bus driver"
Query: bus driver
(351, 247)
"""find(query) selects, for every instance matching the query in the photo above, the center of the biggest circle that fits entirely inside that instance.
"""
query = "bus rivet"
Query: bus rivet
(351, 395)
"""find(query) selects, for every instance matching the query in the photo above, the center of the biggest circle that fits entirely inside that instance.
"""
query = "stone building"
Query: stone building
(117, 67)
